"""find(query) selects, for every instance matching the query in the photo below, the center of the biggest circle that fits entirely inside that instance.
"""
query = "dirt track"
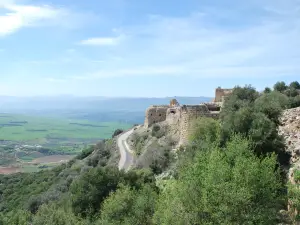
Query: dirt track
(9, 170)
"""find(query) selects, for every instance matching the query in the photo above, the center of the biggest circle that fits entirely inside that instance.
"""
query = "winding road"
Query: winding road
(127, 156)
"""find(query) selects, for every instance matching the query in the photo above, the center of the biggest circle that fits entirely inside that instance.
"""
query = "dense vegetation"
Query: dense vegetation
(230, 173)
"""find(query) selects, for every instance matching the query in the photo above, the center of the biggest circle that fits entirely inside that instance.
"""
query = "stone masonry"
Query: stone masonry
(180, 117)
(221, 94)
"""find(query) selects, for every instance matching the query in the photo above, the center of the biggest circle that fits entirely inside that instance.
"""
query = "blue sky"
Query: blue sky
(146, 47)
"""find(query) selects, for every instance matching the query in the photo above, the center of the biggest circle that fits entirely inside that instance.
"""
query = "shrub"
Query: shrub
(139, 142)
(280, 86)
(129, 206)
(267, 90)
(117, 132)
(85, 153)
(205, 129)
(157, 131)
(90, 190)
(295, 85)
(223, 186)
(297, 176)
(295, 102)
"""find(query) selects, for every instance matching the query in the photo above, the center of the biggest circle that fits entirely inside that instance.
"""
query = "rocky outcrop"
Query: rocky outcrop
(290, 129)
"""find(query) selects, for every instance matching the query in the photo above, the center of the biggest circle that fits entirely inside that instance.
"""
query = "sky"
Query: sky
(146, 48)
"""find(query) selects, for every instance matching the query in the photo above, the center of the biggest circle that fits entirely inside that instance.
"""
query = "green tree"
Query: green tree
(291, 92)
(117, 132)
(52, 214)
(129, 206)
(295, 85)
(205, 129)
(295, 102)
(16, 217)
(90, 190)
(267, 90)
(241, 97)
(272, 105)
(223, 186)
(280, 86)
(256, 118)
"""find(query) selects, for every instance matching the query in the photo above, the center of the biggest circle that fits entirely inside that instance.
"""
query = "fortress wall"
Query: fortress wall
(221, 93)
(188, 114)
(155, 114)
(173, 116)
(213, 106)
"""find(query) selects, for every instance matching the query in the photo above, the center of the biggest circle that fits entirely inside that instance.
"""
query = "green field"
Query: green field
(27, 128)
(24, 138)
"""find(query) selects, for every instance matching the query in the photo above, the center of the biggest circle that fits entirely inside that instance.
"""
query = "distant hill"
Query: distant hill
(91, 108)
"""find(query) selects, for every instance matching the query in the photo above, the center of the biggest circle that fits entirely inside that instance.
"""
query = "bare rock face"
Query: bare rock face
(290, 129)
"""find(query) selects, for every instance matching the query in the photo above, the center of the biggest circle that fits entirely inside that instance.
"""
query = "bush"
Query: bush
(291, 92)
(223, 186)
(295, 85)
(34, 203)
(255, 118)
(117, 132)
(267, 90)
(139, 142)
(297, 176)
(272, 105)
(280, 86)
(295, 102)
(16, 217)
(90, 190)
(53, 215)
(129, 206)
(85, 153)
(157, 131)
(205, 129)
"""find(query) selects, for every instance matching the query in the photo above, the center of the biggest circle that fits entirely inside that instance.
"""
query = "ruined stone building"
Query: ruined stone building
(221, 94)
(181, 116)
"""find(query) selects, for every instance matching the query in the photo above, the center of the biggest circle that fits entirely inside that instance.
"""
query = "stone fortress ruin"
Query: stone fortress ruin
(180, 117)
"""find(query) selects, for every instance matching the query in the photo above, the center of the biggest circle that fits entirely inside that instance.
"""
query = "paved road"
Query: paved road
(127, 156)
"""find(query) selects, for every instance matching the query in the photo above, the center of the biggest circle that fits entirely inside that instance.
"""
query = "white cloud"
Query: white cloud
(14, 16)
(101, 41)
(200, 45)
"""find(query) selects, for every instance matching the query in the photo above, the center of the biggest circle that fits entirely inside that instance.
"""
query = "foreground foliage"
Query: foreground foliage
(223, 186)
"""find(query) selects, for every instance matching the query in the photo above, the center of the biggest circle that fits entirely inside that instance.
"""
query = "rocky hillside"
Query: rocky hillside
(290, 129)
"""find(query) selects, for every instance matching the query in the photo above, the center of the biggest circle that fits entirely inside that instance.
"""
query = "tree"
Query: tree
(223, 186)
(241, 97)
(291, 92)
(129, 206)
(295, 102)
(280, 86)
(16, 217)
(256, 118)
(117, 132)
(90, 190)
(205, 129)
(295, 85)
(272, 105)
(267, 90)
(52, 214)
(247, 93)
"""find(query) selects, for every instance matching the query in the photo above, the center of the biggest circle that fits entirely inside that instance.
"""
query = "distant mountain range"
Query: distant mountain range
(100, 103)
(91, 108)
